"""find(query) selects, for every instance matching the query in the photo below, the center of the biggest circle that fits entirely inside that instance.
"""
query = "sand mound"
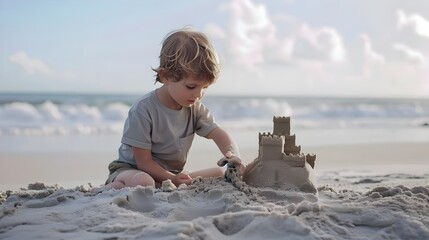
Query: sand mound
(216, 209)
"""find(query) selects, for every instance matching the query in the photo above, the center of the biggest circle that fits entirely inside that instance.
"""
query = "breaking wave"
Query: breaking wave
(25, 114)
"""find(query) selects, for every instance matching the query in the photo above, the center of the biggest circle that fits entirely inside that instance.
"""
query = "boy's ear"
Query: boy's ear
(163, 75)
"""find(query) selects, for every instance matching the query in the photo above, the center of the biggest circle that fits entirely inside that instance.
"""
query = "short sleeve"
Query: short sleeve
(138, 128)
(205, 122)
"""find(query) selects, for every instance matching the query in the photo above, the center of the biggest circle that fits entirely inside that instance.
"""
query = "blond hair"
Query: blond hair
(185, 52)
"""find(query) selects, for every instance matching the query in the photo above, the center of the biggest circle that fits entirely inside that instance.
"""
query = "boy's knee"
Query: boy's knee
(143, 179)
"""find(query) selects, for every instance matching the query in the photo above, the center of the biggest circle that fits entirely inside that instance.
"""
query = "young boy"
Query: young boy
(160, 127)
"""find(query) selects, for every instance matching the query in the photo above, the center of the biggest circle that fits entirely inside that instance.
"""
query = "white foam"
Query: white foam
(69, 114)
(48, 118)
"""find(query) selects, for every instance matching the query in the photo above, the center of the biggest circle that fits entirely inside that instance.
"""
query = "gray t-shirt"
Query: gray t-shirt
(166, 132)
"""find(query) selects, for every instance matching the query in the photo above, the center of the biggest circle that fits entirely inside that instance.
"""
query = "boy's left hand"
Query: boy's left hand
(181, 178)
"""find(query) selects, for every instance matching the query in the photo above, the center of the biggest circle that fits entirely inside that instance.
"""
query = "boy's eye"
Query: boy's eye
(190, 87)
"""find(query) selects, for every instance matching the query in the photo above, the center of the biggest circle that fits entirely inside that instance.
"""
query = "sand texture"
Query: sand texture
(364, 191)
(215, 209)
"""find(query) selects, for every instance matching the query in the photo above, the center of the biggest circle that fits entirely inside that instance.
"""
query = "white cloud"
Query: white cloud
(319, 44)
(410, 55)
(372, 61)
(415, 21)
(34, 66)
(250, 31)
(253, 39)
(371, 56)
(31, 66)
(295, 55)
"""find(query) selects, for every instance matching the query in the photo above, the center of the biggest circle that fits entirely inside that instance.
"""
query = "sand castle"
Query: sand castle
(280, 163)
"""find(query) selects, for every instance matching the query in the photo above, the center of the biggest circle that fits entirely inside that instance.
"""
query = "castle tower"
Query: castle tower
(281, 126)
(279, 163)
(271, 147)
(290, 146)
(311, 158)
(264, 134)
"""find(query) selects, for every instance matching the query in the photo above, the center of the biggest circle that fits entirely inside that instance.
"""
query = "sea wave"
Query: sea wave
(21, 118)
(106, 114)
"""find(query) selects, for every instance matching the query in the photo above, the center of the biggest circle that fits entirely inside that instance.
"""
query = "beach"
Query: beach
(327, 101)
(68, 161)
(371, 174)
(374, 190)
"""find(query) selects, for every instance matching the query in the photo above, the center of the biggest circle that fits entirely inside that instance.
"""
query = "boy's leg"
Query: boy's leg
(115, 185)
(209, 172)
(132, 178)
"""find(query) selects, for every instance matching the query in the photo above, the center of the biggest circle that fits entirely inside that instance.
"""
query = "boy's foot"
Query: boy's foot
(102, 188)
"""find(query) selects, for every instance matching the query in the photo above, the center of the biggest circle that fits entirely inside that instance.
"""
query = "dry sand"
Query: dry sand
(216, 209)
(377, 157)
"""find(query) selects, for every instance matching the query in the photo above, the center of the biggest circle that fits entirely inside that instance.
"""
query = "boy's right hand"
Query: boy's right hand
(235, 166)
(232, 162)
(181, 178)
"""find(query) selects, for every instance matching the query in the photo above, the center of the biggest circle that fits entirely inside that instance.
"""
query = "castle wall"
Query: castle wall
(295, 160)
(264, 134)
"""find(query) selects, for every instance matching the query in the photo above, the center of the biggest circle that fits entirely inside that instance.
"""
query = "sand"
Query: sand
(91, 167)
(365, 191)
(215, 209)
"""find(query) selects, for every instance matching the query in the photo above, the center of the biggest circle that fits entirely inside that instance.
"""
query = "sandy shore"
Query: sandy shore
(349, 206)
(370, 155)
(374, 190)
(71, 168)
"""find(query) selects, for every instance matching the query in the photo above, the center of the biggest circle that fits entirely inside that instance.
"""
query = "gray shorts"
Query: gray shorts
(115, 168)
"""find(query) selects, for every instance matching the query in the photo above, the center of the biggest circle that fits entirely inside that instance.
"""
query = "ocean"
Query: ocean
(91, 114)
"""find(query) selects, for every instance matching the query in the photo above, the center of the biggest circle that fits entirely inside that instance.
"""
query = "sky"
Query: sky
(335, 48)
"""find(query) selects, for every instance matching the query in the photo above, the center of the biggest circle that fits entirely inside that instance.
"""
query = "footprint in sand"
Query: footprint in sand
(140, 199)
(48, 202)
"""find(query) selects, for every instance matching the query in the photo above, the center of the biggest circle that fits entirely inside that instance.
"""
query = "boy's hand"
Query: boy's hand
(181, 178)
(235, 167)
(233, 162)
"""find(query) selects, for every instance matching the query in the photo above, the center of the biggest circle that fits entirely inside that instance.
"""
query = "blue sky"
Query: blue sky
(290, 48)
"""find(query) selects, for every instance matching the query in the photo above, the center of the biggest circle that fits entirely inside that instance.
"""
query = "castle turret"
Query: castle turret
(311, 159)
(281, 126)
(290, 147)
(264, 134)
(271, 147)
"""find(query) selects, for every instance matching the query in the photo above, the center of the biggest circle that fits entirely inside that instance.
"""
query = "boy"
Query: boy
(160, 127)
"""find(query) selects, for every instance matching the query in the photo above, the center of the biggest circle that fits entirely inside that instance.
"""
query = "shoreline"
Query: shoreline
(91, 167)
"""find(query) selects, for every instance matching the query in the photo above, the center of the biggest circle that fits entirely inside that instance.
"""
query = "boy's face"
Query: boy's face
(187, 91)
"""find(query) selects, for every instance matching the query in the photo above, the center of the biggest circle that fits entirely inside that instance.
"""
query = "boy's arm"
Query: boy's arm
(224, 141)
(229, 149)
(145, 163)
